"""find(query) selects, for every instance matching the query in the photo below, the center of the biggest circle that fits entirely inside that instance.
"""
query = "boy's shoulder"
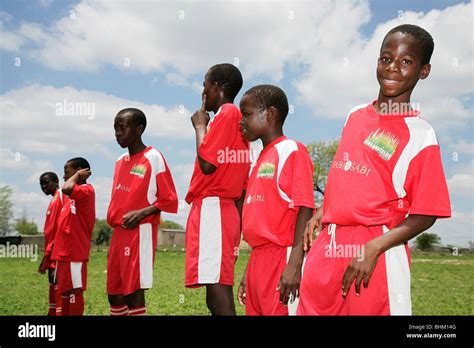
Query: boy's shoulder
(421, 131)
(355, 109)
(287, 146)
(227, 110)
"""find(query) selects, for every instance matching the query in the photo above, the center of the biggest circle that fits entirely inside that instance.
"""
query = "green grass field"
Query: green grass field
(441, 285)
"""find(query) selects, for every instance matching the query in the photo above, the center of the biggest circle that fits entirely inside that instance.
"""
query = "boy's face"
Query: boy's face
(48, 185)
(400, 66)
(126, 130)
(254, 120)
(210, 89)
(69, 171)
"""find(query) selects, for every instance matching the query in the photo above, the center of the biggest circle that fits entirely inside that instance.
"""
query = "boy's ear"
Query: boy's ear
(425, 71)
(140, 129)
(272, 114)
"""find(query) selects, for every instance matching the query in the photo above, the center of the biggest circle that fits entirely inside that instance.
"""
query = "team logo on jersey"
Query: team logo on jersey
(138, 170)
(383, 142)
(266, 170)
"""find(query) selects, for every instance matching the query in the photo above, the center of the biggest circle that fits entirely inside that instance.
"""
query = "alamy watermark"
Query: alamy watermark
(67, 108)
(19, 251)
(345, 251)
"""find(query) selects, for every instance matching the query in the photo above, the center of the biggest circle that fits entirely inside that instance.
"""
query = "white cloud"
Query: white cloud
(55, 120)
(458, 230)
(462, 184)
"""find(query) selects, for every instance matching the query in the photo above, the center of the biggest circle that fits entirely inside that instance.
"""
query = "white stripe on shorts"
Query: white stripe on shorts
(398, 279)
(76, 274)
(210, 241)
(146, 256)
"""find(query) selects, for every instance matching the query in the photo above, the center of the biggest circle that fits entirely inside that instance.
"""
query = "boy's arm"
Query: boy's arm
(200, 119)
(362, 268)
(239, 203)
(314, 224)
(291, 276)
(81, 174)
(242, 291)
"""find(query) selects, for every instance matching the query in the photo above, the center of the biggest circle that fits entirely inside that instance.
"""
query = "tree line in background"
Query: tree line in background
(321, 153)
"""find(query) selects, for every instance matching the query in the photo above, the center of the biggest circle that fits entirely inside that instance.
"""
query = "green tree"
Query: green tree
(102, 233)
(25, 227)
(168, 224)
(425, 241)
(6, 212)
(322, 154)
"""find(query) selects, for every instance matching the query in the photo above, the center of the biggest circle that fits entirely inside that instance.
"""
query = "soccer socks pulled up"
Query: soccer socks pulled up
(119, 311)
(76, 303)
(52, 301)
(137, 311)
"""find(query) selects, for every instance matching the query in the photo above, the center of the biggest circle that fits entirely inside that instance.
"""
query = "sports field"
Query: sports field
(441, 285)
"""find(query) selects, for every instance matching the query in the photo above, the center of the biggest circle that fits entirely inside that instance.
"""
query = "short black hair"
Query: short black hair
(424, 39)
(79, 162)
(268, 95)
(228, 76)
(51, 175)
(138, 116)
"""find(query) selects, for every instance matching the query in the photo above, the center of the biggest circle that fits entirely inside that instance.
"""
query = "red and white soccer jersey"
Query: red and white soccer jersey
(226, 149)
(386, 167)
(140, 180)
(50, 228)
(213, 226)
(76, 222)
(280, 183)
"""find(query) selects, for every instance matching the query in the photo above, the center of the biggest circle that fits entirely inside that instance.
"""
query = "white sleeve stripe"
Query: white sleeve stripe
(354, 109)
(285, 149)
(157, 165)
(421, 136)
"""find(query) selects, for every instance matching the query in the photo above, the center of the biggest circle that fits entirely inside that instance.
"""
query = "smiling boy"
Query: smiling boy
(386, 185)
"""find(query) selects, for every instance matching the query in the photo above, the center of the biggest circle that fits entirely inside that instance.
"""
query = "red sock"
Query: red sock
(137, 311)
(58, 300)
(52, 301)
(118, 311)
(65, 304)
(76, 303)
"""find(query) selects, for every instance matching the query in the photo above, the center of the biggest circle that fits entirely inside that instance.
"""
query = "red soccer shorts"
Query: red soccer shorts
(212, 242)
(71, 275)
(388, 292)
(264, 270)
(130, 259)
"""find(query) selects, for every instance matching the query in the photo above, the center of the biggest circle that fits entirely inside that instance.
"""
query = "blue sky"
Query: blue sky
(153, 55)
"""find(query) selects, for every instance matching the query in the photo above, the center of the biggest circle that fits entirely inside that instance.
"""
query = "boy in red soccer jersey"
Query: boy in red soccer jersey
(142, 188)
(279, 201)
(73, 238)
(216, 190)
(49, 183)
(386, 185)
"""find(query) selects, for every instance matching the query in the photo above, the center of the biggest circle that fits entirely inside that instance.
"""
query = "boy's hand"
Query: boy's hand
(289, 283)
(132, 219)
(84, 173)
(242, 292)
(361, 267)
(313, 224)
(40, 267)
(201, 118)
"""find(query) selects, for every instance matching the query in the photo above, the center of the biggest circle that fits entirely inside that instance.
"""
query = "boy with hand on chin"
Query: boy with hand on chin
(386, 185)
(216, 190)
(142, 189)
